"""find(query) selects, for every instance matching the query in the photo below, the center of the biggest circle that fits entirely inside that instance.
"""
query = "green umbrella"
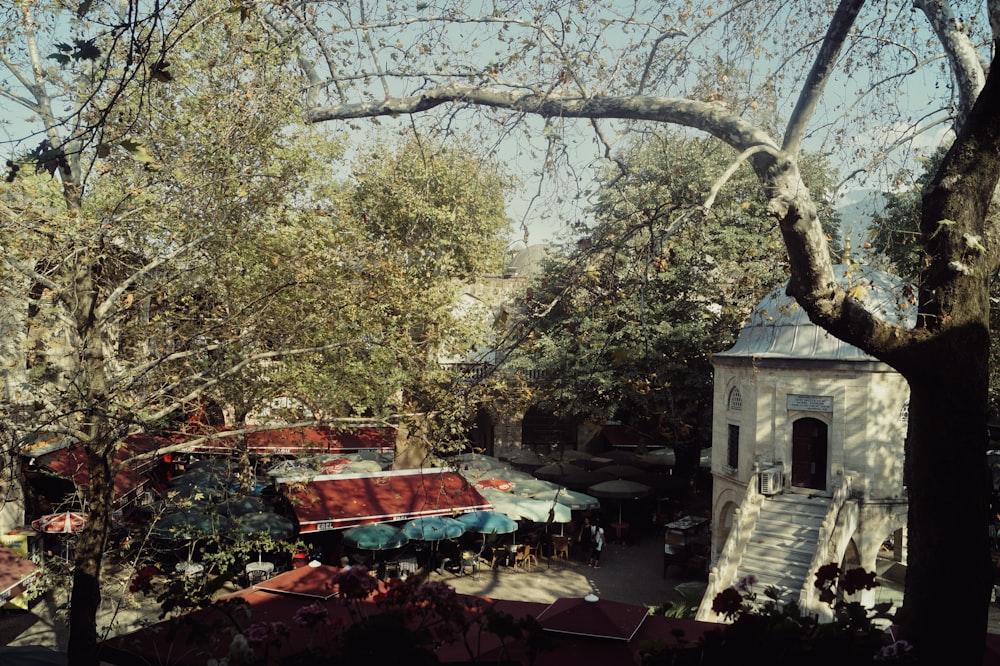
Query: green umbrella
(376, 536)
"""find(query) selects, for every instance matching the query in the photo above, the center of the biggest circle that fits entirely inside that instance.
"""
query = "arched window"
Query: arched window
(735, 400)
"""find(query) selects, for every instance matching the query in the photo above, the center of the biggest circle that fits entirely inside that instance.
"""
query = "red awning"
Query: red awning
(71, 463)
(319, 439)
(339, 501)
(16, 573)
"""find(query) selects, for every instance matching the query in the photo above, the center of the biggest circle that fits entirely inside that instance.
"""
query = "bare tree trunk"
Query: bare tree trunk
(86, 595)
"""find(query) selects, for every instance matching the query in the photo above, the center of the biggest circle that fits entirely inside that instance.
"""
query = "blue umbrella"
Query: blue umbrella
(433, 528)
(487, 522)
(377, 536)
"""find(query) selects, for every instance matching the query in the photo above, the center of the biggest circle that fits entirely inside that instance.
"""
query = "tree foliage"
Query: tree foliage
(629, 320)
(854, 81)
(180, 236)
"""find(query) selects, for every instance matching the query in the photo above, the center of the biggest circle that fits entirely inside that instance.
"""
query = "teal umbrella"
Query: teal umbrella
(377, 536)
(266, 522)
(189, 523)
(433, 528)
(487, 522)
(244, 504)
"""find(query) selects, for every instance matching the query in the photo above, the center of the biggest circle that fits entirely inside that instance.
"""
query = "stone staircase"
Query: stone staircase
(783, 542)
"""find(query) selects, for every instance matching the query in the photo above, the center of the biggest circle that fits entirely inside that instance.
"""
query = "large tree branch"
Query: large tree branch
(706, 116)
(840, 25)
(965, 64)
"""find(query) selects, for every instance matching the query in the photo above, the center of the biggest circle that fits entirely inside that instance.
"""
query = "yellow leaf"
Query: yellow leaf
(857, 292)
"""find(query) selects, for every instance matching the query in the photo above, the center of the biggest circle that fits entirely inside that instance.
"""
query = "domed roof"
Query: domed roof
(527, 261)
(780, 328)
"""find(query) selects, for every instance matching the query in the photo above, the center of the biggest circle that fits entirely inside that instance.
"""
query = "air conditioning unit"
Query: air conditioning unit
(770, 481)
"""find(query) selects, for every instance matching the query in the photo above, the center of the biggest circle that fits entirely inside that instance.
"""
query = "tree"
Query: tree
(647, 63)
(163, 247)
(628, 321)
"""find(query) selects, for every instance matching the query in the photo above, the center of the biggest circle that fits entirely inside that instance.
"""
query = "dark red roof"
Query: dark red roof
(591, 616)
(318, 439)
(71, 463)
(344, 500)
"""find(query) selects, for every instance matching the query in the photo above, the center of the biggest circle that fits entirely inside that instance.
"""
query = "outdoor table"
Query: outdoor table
(259, 571)
(621, 530)
(189, 568)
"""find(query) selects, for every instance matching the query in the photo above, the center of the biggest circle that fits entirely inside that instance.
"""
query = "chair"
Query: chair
(499, 557)
(525, 558)
(560, 547)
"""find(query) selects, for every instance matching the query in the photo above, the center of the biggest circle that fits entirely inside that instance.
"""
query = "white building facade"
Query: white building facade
(798, 414)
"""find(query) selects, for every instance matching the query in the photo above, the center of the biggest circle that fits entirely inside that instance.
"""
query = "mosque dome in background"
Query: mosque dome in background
(779, 328)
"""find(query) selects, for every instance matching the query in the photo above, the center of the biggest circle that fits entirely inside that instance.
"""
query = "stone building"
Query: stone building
(807, 450)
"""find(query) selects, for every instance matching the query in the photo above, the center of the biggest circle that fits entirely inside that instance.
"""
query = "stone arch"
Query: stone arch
(543, 431)
(480, 430)
(725, 506)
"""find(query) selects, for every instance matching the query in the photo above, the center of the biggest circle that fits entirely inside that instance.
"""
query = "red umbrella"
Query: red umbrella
(60, 523)
(499, 484)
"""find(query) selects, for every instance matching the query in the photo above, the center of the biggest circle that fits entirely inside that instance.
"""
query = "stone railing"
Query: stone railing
(723, 574)
(808, 597)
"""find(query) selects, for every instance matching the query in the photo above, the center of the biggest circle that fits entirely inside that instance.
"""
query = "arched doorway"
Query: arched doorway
(480, 433)
(809, 453)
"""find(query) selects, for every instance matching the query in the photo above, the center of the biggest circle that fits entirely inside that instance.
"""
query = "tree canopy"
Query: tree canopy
(858, 81)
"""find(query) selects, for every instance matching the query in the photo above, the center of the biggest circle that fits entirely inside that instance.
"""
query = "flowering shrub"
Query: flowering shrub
(768, 628)
(403, 624)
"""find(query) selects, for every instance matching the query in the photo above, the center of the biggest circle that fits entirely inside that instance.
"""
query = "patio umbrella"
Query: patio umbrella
(620, 470)
(375, 536)
(619, 456)
(291, 468)
(499, 484)
(528, 508)
(266, 522)
(487, 522)
(65, 522)
(198, 485)
(576, 501)
(433, 528)
(361, 466)
(211, 465)
(621, 490)
(238, 506)
(557, 471)
(583, 479)
(572, 455)
(660, 458)
(530, 487)
(478, 459)
(528, 460)
(189, 523)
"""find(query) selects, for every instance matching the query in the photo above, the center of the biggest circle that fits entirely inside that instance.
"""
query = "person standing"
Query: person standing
(596, 543)
(583, 539)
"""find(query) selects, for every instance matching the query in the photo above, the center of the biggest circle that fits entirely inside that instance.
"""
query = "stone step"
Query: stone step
(767, 555)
